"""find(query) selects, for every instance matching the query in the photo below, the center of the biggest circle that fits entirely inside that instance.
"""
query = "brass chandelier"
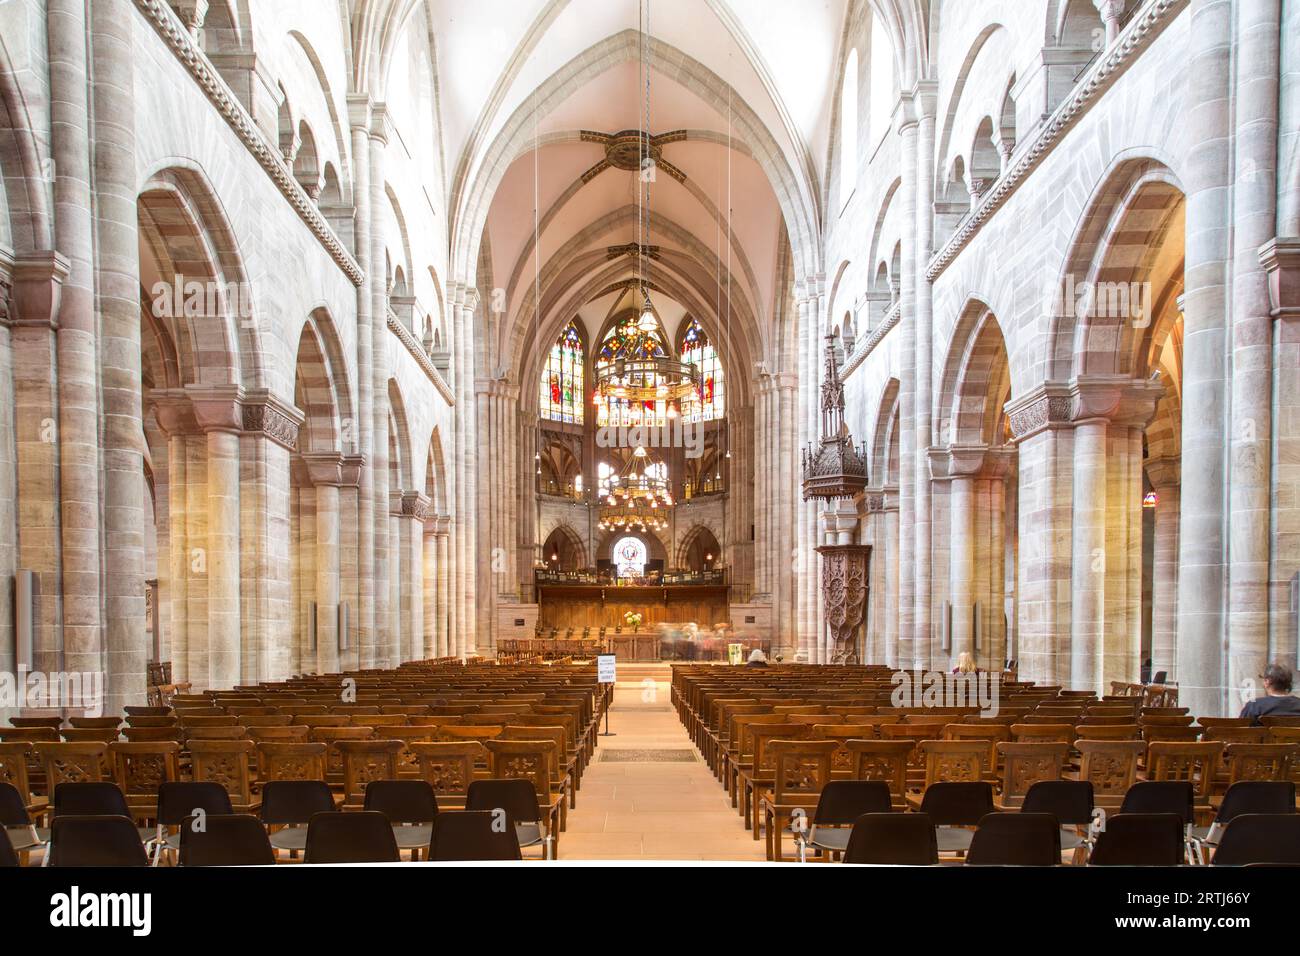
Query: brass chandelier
(641, 481)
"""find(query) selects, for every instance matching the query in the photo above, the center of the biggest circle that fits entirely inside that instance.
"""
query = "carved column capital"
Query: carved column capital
(270, 417)
(415, 504)
(217, 408)
(1120, 400)
(324, 468)
(35, 288)
(1046, 407)
(1281, 259)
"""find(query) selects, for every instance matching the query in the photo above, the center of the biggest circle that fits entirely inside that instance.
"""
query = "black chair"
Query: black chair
(953, 806)
(291, 804)
(95, 840)
(8, 855)
(838, 808)
(1165, 796)
(15, 822)
(1140, 839)
(468, 835)
(410, 805)
(97, 798)
(1016, 839)
(361, 837)
(893, 839)
(235, 839)
(1159, 677)
(1246, 796)
(1070, 801)
(518, 798)
(1260, 838)
(178, 801)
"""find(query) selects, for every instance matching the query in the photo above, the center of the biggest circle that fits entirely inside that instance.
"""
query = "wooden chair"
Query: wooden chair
(761, 774)
(16, 761)
(1107, 732)
(25, 723)
(365, 761)
(994, 734)
(226, 762)
(449, 767)
(88, 735)
(563, 765)
(1235, 734)
(1259, 761)
(141, 768)
(531, 760)
(291, 761)
(1111, 767)
(952, 761)
(98, 723)
(408, 767)
(1195, 763)
(885, 760)
(1025, 764)
(331, 736)
(135, 734)
(802, 768)
(73, 763)
(216, 733)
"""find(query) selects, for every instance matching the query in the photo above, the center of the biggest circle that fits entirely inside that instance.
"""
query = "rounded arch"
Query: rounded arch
(28, 226)
(315, 393)
(435, 475)
(400, 438)
(699, 549)
(1129, 238)
(976, 381)
(886, 415)
(195, 270)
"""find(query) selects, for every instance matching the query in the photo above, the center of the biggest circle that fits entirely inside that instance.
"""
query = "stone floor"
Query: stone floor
(652, 803)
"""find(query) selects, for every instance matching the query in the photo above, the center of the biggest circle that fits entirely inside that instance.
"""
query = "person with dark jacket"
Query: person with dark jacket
(1277, 700)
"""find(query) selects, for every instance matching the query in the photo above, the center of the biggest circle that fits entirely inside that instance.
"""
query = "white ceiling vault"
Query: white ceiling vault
(520, 81)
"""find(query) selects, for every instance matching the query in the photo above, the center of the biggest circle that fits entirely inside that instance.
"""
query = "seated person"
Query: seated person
(756, 658)
(1277, 700)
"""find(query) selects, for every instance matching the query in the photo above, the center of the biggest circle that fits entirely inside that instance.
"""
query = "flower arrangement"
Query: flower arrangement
(632, 619)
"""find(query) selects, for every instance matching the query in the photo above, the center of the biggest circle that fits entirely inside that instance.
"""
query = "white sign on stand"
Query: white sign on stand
(605, 668)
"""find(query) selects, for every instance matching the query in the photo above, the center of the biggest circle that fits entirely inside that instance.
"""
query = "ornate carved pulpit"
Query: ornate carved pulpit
(835, 471)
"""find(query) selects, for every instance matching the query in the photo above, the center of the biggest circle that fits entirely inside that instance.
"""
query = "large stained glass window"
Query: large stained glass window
(699, 351)
(625, 342)
(561, 395)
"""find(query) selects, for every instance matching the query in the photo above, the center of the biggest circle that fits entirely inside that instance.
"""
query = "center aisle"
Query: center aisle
(648, 795)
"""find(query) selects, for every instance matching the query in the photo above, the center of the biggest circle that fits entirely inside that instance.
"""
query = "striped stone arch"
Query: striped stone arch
(883, 435)
(320, 387)
(1131, 234)
(435, 475)
(976, 381)
(575, 540)
(25, 220)
(1164, 435)
(195, 280)
(399, 441)
(686, 541)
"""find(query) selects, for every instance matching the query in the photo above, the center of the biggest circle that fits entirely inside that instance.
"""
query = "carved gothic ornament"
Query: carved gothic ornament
(833, 468)
(844, 596)
(628, 148)
(415, 505)
(1037, 414)
(272, 422)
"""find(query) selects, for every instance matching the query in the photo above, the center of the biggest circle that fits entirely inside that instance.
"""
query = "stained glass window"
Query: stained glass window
(629, 556)
(561, 385)
(699, 351)
(625, 342)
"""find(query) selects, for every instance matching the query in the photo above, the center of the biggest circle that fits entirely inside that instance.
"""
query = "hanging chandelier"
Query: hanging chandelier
(641, 481)
(633, 515)
(640, 370)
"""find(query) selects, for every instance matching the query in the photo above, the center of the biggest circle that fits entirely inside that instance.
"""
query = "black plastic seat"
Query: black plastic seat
(839, 806)
(95, 840)
(1070, 801)
(518, 798)
(954, 806)
(15, 822)
(365, 836)
(1139, 839)
(1016, 839)
(93, 798)
(178, 801)
(1248, 796)
(411, 807)
(470, 835)
(893, 839)
(1161, 796)
(292, 804)
(1260, 838)
(8, 855)
(236, 839)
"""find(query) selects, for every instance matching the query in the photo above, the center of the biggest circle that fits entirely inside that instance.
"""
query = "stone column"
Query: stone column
(1254, 207)
(432, 610)
(1039, 422)
(218, 413)
(325, 471)
(385, 637)
(446, 637)
(33, 317)
(270, 436)
(1110, 11)
(415, 506)
(1088, 585)
(359, 120)
(8, 480)
(910, 652)
(1202, 533)
(891, 566)
(786, 498)
(78, 448)
(924, 98)
(1165, 474)
(118, 286)
(961, 569)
